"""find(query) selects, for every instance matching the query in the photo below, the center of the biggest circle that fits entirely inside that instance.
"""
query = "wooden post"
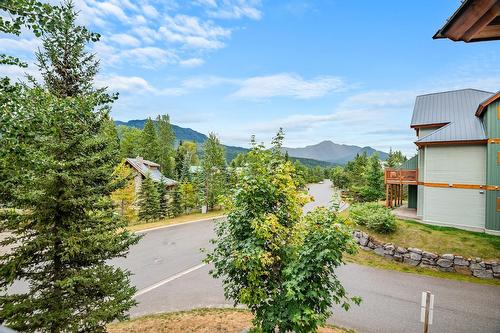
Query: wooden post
(427, 306)
(387, 195)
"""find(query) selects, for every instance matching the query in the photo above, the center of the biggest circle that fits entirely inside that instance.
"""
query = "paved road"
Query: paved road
(168, 274)
(169, 277)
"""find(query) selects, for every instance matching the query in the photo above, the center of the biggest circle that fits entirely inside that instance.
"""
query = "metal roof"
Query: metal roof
(411, 164)
(155, 174)
(454, 112)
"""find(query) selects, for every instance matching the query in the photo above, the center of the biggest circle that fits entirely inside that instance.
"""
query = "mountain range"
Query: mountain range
(325, 153)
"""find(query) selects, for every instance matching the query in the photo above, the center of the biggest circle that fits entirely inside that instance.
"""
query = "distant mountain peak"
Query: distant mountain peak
(324, 153)
(332, 152)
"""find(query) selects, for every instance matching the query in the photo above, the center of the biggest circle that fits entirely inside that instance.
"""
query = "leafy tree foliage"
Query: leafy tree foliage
(149, 200)
(164, 200)
(59, 210)
(395, 159)
(130, 141)
(67, 69)
(125, 196)
(166, 140)
(373, 187)
(149, 146)
(339, 178)
(271, 258)
(213, 173)
(188, 196)
(31, 14)
(185, 157)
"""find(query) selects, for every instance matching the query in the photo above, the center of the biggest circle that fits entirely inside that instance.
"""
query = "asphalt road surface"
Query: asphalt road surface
(169, 276)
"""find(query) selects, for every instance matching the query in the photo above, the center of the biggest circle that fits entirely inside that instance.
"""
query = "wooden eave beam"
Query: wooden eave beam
(480, 25)
(473, 15)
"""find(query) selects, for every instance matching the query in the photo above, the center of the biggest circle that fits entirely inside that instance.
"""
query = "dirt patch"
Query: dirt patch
(195, 321)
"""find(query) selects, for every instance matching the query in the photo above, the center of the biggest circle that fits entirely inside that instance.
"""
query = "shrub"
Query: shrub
(373, 216)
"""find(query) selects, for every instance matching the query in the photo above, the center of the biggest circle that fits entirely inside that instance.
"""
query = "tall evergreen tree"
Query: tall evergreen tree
(163, 197)
(166, 140)
(149, 142)
(373, 188)
(149, 200)
(213, 170)
(60, 215)
(130, 141)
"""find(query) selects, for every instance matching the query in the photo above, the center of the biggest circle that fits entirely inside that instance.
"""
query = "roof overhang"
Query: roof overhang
(474, 21)
(429, 125)
(447, 143)
(484, 105)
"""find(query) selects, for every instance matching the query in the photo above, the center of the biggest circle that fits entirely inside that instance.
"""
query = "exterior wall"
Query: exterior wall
(420, 188)
(461, 164)
(426, 131)
(455, 164)
(491, 120)
(137, 182)
(453, 206)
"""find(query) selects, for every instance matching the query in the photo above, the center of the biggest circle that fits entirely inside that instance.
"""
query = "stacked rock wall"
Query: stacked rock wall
(417, 257)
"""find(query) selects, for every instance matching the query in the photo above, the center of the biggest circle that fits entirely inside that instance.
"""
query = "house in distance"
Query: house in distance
(455, 178)
(143, 168)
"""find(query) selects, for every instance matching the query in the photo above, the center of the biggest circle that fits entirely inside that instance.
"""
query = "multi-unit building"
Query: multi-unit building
(455, 178)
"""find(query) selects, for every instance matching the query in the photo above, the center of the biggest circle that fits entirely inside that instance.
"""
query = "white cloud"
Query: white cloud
(20, 45)
(191, 32)
(288, 85)
(192, 62)
(135, 85)
(125, 40)
(232, 9)
(112, 9)
(150, 11)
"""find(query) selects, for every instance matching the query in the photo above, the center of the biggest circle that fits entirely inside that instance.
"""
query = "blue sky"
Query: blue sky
(346, 71)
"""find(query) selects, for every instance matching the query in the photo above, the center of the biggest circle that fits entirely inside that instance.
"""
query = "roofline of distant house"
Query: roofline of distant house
(484, 105)
(429, 125)
(448, 91)
(454, 142)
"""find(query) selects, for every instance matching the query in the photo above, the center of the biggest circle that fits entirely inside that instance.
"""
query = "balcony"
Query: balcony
(400, 176)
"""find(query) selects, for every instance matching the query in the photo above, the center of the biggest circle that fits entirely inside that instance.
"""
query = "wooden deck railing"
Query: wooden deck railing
(396, 176)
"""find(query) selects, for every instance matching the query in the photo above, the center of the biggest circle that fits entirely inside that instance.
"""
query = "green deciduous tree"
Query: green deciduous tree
(148, 201)
(213, 175)
(271, 258)
(166, 140)
(188, 196)
(34, 15)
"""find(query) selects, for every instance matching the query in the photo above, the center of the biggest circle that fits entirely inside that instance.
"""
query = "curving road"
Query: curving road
(169, 277)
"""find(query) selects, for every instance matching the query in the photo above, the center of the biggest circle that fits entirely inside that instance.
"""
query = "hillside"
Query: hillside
(332, 152)
(188, 134)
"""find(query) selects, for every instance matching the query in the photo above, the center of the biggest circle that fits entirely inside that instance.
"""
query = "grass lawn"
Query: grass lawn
(441, 240)
(176, 220)
(196, 321)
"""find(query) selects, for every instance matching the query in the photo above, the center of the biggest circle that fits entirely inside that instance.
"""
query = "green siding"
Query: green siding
(412, 196)
(492, 125)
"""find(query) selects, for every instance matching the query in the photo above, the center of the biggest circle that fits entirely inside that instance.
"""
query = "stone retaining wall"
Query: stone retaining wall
(417, 257)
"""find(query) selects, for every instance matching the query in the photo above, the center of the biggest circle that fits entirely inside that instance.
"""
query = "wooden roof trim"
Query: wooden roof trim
(447, 143)
(429, 125)
(484, 105)
(470, 22)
